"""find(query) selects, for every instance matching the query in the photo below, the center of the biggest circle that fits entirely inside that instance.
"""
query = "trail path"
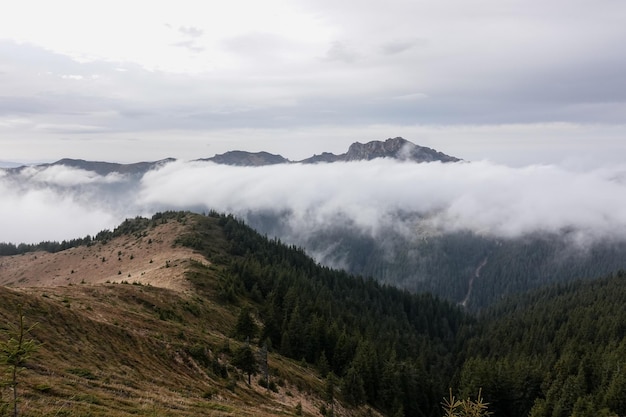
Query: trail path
(471, 282)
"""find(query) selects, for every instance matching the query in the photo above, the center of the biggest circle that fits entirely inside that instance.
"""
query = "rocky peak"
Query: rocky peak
(242, 158)
(397, 148)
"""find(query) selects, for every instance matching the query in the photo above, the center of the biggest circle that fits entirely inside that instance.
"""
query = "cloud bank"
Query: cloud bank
(372, 196)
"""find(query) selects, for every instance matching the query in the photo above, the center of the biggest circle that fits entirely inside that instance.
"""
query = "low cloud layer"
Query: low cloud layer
(483, 197)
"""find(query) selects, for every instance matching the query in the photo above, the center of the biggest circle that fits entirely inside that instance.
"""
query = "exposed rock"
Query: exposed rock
(396, 148)
(242, 158)
(324, 157)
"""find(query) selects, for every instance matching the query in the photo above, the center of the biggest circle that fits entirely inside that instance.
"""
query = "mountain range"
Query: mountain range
(346, 219)
(395, 148)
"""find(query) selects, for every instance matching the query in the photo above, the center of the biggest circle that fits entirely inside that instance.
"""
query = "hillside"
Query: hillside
(143, 342)
(168, 340)
(446, 264)
(557, 351)
(143, 258)
(161, 337)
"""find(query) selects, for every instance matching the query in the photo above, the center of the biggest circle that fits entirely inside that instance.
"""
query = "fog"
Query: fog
(57, 203)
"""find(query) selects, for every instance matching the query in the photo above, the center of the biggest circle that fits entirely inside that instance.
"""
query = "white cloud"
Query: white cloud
(481, 196)
(63, 203)
(33, 215)
(63, 176)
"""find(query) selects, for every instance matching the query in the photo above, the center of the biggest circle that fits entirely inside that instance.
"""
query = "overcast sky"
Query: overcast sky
(511, 81)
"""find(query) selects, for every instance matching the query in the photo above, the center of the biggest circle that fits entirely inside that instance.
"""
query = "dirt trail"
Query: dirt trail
(471, 282)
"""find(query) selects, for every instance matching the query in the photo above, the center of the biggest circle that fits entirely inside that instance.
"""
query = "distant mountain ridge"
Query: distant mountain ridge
(394, 148)
(243, 158)
(99, 167)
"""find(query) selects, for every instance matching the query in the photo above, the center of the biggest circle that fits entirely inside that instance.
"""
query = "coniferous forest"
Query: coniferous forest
(555, 351)
(558, 351)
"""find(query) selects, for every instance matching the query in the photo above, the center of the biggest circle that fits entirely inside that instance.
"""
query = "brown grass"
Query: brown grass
(150, 259)
(117, 345)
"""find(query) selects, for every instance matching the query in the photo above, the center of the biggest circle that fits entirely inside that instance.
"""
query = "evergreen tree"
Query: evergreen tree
(15, 351)
(246, 328)
(245, 360)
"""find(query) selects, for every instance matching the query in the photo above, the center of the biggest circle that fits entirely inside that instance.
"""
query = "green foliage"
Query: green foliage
(16, 348)
(245, 360)
(246, 328)
(444, 264)
(555, 352)
(344, 324)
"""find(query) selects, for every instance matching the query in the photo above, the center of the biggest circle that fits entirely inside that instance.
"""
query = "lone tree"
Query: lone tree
(245, 360)
(15, 349)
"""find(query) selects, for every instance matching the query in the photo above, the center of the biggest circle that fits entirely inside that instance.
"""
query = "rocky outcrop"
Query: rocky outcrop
(396, 148)
(242, 158)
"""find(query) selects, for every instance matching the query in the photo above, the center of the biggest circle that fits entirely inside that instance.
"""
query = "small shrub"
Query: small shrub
(273, 387)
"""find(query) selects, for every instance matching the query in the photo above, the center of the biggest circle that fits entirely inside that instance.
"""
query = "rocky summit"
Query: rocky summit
(396, 148)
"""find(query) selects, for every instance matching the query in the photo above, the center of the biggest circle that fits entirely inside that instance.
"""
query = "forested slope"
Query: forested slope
(445, 263)
(389, 347)
(559, 352)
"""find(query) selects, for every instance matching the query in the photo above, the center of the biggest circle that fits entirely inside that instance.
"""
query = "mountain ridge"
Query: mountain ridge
(128, 335)
(393, 148)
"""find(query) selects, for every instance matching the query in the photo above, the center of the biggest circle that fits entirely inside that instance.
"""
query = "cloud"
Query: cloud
(63, 176)
(340, 51)
(399, 46)
(373, 197)
(191, 45)
(33, 214)
(481, 196)
(191, 31)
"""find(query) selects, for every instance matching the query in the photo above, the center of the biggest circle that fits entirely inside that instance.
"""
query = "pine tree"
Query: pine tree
(15, 352)
(245, 360)
(246, 328)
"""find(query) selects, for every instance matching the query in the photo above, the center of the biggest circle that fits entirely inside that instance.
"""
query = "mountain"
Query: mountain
(396, 148)
(153, 318)
(242, 158)
(101, 168)
(106, 168)
(156, 317)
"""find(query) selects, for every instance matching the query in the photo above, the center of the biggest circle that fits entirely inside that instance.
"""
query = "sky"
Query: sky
(513, 82)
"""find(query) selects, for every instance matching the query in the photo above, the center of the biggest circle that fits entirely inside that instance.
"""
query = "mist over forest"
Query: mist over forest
(426, 227)
(59, 202)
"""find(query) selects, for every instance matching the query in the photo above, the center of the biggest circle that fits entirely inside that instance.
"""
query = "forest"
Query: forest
(444, 263)
(554, 351)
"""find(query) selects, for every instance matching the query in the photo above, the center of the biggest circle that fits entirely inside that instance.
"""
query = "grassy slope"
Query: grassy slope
(123, 349)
